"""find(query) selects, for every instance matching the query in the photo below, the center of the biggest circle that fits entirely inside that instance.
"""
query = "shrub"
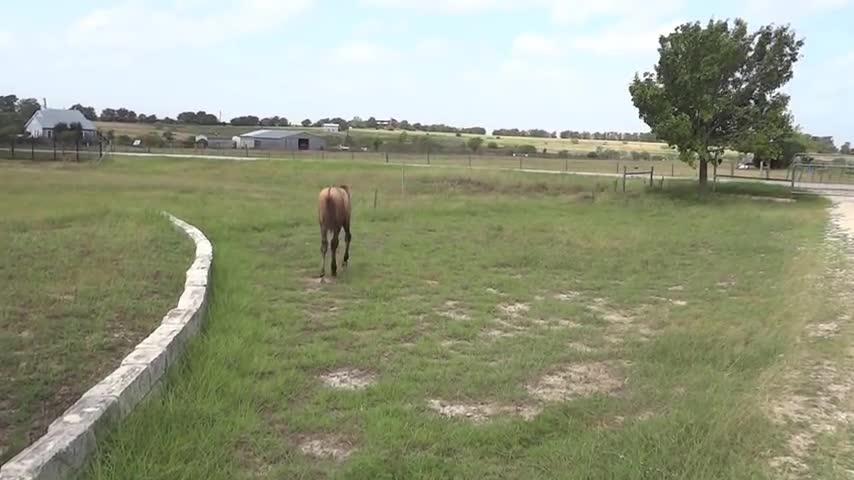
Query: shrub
(592, 155)
(123, 140)
(574, 141)
(529, 149)
(563, 154)
(492, 145)
(459, 134)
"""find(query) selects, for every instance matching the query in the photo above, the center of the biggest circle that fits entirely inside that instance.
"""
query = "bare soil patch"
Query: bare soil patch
(330, 447)
(483, 411)
(823, 330)
(451, 310)
(514, 309)
(567, 296)
(349, 379)
(576, 380)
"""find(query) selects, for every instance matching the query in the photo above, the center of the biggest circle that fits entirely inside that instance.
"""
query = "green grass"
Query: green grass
(693, 376)
(82, 283)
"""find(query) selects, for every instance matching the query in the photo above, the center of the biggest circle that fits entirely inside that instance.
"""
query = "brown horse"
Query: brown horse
(333, 214)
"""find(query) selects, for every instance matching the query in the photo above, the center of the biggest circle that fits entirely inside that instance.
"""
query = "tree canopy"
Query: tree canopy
(714, 84)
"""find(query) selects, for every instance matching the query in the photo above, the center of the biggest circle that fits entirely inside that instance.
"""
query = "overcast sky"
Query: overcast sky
(553, 64)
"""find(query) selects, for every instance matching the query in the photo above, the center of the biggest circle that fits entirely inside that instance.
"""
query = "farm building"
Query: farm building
(42, 123)
(212, 141)
(331, 127)
(282, 140)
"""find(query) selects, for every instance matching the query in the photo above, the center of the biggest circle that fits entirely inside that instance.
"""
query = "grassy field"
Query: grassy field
(82, 283)
(491, 325)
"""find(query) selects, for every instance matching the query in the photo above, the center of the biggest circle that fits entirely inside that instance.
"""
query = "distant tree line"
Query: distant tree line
(14, 112)
(619, 136)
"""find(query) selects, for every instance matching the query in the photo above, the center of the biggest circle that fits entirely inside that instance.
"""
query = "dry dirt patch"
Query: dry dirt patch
(576, 380)
(349, 379)
(482, 412)
(567, 296)
(453, 312)
(330, 447)
(514, 309)
(823, 330)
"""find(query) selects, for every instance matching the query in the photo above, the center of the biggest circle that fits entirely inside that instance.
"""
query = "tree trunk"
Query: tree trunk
(704, 173)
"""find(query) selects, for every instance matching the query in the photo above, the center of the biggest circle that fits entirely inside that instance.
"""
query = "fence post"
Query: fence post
(12, 144)
(375, 199)
(386, 157)
(624, 178)
(618, 167)
(651, 173)
(32, 149)
(428, 158)
(54, 149)
(661, 183)
(715, 178)
(565, 164)
(672, 170)
(77, 150)
(520, 162)
(793, 177)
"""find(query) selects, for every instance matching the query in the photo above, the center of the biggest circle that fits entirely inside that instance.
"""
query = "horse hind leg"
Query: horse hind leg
(324, 245)
(334, 266)
(347, 238)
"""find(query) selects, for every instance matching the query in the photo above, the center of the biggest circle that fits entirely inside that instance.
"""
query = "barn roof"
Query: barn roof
(275, 134)
(49, 117)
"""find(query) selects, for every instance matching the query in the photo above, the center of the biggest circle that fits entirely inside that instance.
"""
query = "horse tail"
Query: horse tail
(327, 215)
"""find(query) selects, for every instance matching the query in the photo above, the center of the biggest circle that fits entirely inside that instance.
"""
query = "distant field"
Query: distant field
(552, 145)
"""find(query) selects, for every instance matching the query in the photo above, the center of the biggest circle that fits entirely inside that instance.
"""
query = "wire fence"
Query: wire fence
(42, 151)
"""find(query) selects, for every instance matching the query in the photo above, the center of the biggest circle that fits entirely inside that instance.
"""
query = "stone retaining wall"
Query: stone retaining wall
(70, 439)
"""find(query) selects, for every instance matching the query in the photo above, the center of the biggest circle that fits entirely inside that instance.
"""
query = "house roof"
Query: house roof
(275, 134)
(49, 117)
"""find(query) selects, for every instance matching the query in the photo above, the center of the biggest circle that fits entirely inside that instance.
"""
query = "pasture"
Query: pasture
(490, 325)
(552, 145)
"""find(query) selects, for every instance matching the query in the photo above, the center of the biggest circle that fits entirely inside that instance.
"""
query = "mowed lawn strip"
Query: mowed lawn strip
(80, 284)
(489, 326)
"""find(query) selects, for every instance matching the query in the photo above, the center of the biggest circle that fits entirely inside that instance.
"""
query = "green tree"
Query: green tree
(474, 143)
(767, 140)
(168, 137)
(153, 140)
(845, 149)
(377, 143)
(27, 107)
(306, 123)
(712, 83)
(88, 112)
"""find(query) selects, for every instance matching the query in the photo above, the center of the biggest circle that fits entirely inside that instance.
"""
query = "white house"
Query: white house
(331, 127)
(41, 124)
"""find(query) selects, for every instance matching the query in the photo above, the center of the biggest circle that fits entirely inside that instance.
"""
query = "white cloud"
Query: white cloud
(363, 53)
(579, 11)
(135, 26)
(445, 6)
(534, 44)
(376, 26)
(561, 11)
(791, 10)
(432, 47)
(623, 38)
(6, 40)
